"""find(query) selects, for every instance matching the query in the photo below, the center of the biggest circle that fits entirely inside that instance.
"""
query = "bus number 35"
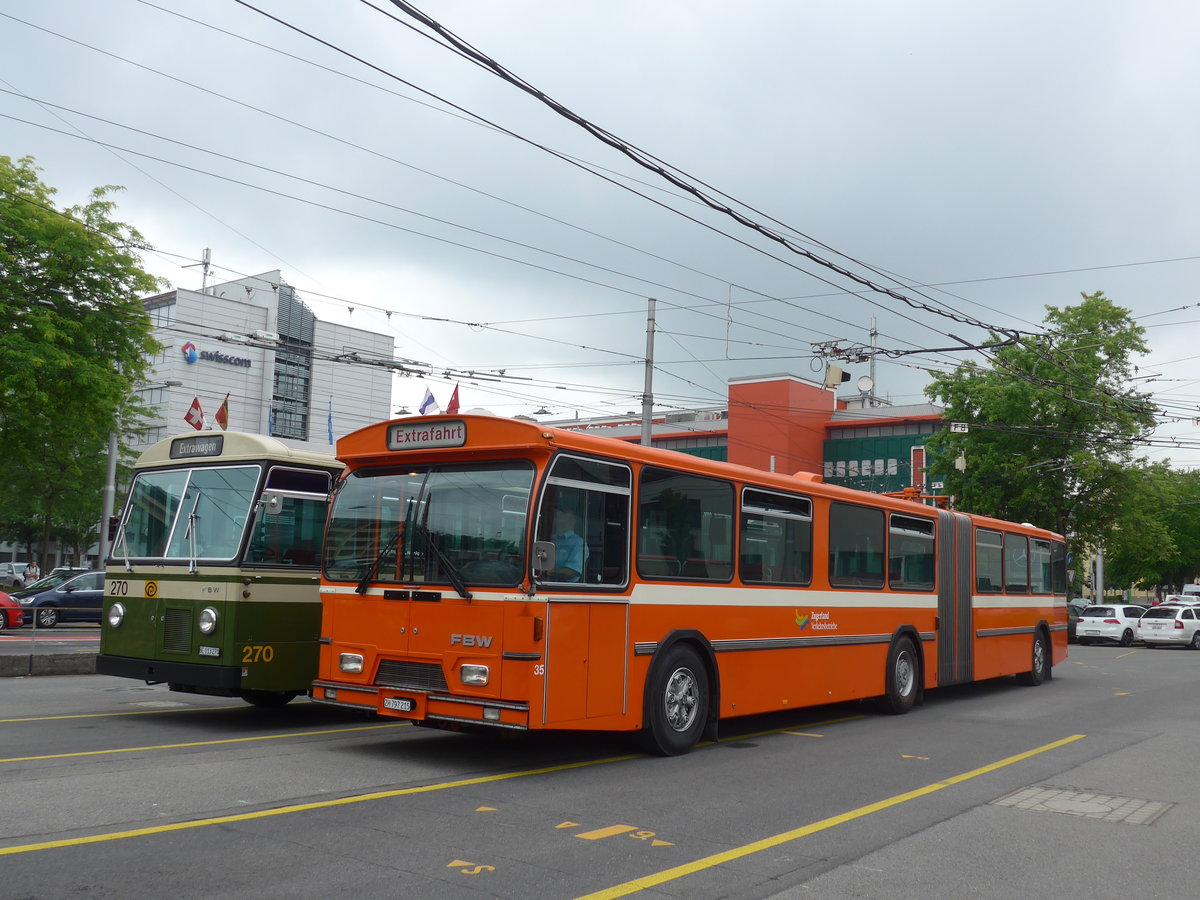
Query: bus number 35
(253, 653)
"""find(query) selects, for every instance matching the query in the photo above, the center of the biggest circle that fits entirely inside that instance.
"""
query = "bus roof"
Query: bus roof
(228, 446)
(387, 442)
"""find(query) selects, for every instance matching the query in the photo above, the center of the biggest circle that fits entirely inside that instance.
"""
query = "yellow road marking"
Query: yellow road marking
(1130, 653)
(140, 712)
(306, 807)
(757, 734)
(601, 833)
(805, 734)
(708, 862)
(261, 737)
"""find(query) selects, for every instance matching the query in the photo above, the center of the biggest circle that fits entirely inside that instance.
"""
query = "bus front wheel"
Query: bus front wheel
(902, 677)
(268, 699)
(678, 703)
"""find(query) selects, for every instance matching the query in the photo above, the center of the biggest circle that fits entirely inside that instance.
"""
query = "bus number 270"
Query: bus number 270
(253, 653)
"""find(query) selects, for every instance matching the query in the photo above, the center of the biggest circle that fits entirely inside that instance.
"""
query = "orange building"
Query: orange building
(785, 423)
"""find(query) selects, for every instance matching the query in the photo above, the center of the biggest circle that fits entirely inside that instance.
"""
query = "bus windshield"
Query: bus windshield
(463, 522)
(183, 514)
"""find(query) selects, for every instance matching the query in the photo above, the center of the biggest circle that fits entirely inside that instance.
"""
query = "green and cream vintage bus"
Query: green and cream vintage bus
(212, 582)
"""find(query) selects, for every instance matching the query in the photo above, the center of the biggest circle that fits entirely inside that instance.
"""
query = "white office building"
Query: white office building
(285, 372)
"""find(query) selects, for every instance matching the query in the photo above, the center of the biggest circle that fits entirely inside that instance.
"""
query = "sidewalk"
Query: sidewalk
(63, 651)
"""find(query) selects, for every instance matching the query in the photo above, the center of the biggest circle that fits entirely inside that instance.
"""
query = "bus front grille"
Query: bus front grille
(410, 676)
(177, 630)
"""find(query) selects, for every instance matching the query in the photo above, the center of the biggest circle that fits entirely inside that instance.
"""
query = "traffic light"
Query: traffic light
(114, 522)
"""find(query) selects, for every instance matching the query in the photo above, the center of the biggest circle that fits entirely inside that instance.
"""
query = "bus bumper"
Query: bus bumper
(188, 676)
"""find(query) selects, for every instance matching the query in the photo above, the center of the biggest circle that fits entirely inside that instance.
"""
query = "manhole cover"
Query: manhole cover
(1106, 808)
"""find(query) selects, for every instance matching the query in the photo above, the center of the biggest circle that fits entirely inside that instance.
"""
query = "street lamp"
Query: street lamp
(110, 480)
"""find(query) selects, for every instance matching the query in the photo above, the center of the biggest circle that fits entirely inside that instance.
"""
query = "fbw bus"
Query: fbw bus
(492, 572)
(212, 582)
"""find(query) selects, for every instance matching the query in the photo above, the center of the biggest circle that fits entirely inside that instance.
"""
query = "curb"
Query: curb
(16, 666)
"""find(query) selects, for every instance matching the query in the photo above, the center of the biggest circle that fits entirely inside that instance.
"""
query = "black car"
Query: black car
(77, 599)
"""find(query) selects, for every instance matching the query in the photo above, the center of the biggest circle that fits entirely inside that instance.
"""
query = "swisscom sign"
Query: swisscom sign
(191, 354)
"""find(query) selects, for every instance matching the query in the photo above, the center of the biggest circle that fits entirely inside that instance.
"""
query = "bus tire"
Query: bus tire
(268, 699)
(678, 701)
(902, 677)
(1039, 662)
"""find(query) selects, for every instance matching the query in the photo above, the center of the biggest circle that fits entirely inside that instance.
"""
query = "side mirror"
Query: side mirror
(543, 557)
(272, 504)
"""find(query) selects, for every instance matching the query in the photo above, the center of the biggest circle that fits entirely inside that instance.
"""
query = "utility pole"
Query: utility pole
(874, 345)
(647, 391)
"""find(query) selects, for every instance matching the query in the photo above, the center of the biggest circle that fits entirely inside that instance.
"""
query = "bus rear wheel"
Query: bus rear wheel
(902, 677)
(678, 701)
(268, 699)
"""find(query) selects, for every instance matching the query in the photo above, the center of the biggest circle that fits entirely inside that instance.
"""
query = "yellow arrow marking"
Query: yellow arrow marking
(606, 832)
(485, 809)
(662, 844)
(569, 825)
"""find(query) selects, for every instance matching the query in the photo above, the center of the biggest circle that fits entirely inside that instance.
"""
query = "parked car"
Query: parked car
(11, 614)
(12, 575)
(1116, 622)
(1073, 611)
(54, 579)
(1169, 624)
(76, 599)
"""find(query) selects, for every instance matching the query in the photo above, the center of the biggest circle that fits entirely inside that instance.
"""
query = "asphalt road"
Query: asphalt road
(1084, 787)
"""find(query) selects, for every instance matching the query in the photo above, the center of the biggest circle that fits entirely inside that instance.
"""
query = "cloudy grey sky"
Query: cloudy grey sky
(1008, 154)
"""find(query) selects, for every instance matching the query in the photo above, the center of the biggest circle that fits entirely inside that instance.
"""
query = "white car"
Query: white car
(1163, 625)
(1117, 622)
(12, 575)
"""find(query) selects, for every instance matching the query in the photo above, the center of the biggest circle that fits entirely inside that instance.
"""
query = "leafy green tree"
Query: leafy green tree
(1156, 544)
(74, 340)
(1052, 423)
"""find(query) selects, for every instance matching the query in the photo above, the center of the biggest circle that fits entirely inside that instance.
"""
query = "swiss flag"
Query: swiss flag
(453, 407)
(195, 415)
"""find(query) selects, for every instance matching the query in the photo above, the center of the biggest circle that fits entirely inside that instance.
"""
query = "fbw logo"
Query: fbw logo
(190, 353)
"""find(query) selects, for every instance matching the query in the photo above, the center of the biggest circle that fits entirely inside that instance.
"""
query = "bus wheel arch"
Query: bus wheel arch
(903, 673)
(681, 695)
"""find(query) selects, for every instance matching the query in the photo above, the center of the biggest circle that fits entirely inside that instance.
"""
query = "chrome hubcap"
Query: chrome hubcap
(905, 674)
(681, 699)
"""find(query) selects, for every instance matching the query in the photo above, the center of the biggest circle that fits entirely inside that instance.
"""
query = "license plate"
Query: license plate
(210, 651)
(1091, 631)
(400, 704)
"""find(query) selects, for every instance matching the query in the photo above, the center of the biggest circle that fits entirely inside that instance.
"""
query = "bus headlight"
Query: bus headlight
(475, 675)
(208, 620)
(116, 614)
(350, 662)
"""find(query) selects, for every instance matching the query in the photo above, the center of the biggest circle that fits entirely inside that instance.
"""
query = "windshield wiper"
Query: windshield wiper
(387, 548)
(190, 536)
(118, 540)
(452, 574)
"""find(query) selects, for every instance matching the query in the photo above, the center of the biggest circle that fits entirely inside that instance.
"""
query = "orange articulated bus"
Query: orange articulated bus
(483, 571)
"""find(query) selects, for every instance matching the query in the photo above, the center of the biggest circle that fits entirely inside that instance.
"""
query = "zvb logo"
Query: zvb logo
(190, 353)
(801, 620)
